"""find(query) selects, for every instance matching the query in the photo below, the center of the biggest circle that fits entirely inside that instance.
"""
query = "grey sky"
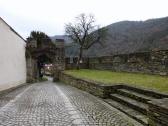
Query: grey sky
(50, 16)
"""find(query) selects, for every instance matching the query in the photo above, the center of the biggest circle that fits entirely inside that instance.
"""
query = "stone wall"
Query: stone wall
(31, 65)
(158, 112)
(92, 87)
(155, 62)
(71, 63)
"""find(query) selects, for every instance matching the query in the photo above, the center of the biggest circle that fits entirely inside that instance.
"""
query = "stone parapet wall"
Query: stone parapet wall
(71, 63)
(74, 66)
(158, 112)
(155, 62)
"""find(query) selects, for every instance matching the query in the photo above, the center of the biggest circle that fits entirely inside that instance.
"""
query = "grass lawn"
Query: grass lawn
(155, 82)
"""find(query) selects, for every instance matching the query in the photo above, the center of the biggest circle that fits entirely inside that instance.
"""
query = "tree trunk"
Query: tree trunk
(80, 58)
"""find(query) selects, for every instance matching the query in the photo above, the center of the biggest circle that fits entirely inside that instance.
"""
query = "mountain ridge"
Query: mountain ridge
(129, 37)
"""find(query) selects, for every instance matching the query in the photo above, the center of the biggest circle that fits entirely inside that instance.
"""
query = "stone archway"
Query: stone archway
(42, 60)
(48, 52)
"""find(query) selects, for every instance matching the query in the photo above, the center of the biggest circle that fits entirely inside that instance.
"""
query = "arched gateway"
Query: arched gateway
(38, 56)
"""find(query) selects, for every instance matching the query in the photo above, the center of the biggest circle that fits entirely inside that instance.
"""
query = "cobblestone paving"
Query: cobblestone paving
(51, 104)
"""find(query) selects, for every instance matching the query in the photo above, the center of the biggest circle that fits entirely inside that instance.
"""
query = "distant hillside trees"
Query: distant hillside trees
(85, 33)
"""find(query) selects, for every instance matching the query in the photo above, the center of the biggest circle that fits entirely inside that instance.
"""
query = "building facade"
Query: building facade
(12, 57)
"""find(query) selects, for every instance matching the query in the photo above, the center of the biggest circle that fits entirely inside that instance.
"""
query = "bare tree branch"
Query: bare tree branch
(85, 32)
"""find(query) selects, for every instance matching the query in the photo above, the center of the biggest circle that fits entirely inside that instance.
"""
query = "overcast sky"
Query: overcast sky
(50, 16)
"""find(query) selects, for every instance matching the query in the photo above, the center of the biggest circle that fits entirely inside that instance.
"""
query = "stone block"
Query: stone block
(158, 112)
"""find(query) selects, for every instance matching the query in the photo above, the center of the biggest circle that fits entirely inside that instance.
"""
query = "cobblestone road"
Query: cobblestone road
(54, 104)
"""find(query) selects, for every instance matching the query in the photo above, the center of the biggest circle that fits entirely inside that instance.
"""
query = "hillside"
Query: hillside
(130, 36)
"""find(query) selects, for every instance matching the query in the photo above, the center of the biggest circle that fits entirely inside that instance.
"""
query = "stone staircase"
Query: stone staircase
(133, 101)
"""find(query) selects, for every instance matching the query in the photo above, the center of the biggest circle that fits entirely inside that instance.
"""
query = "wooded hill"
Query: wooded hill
(129, 37)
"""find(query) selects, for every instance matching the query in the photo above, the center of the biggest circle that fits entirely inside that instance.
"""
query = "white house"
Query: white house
(12, 57)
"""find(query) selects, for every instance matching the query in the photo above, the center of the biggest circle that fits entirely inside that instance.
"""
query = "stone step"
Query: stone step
(136, 105)
(139, 117)
(135, 95)
(148, 92)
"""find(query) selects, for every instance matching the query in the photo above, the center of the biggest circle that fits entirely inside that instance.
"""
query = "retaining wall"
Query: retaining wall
(92, 87)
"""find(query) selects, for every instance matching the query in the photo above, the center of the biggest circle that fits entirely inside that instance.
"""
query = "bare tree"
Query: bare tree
(85, 33)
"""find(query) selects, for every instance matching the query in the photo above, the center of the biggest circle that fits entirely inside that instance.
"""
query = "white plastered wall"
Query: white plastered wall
(12, 58)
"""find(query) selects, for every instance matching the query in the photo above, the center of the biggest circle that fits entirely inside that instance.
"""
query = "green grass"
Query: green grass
(155, 82)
